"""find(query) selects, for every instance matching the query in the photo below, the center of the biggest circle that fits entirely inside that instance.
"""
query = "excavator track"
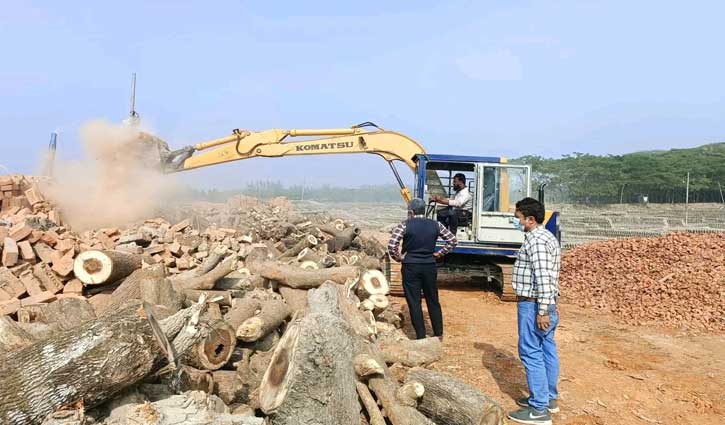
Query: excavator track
(507, 289)
(395, 278)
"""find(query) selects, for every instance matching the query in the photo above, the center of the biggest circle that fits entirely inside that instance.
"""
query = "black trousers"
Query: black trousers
(451, 217)
(417, 277)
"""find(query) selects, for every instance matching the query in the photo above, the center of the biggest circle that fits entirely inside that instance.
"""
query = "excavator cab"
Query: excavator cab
(489, 241)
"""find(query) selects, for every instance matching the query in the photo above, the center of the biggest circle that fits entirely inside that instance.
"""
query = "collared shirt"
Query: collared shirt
(398, 233)
(536, 270)
(461, 200)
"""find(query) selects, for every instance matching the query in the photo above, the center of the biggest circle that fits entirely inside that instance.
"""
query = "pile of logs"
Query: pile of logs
(280, 319)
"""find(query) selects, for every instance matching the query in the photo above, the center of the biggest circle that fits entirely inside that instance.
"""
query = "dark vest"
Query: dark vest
(419, 240)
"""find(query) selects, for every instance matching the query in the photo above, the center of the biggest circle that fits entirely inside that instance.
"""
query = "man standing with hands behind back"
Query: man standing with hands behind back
(419, 235)
(536, 283)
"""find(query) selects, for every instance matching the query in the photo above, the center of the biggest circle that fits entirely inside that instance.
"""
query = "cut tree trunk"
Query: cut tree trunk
(369, 263)
(241, 310)
(311, 377)
(229, 387)
(91, 362)
(371, 406)
(273, 313)
(130, 289)
(98, 267)
(207, 280)
(191, 379)
(296, 298)
(372, 282)
(295, 277)
(411, 352)
(308, 254)
(409, 393)
(343, 239)
(224, 298)
(214, 349)
(12, 336)
(307, 241)
(449, 401)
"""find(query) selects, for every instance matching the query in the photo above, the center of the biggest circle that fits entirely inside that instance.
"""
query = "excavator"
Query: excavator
(488, 239)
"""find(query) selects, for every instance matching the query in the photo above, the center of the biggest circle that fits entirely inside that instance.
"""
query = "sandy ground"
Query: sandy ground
(611, 373)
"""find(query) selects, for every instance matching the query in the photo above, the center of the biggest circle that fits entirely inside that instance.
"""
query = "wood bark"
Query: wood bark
(90, 362)
(308, 254)
(295, 277)
(271, 316)
(162, 293)
(207, 280)
(192, 379)
(296, 299)
(343, 239)
(307, 241)
(228, 385)
(241, 310)
(12, 336)
(411, 352)
(311, 377)
(224, 298)
(371, 406)
(130, 289)
(409, 393)
(369, 263)
(449, 401)
(97, 267)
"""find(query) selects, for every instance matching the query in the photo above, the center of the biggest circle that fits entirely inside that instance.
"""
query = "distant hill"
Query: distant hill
(660, 175)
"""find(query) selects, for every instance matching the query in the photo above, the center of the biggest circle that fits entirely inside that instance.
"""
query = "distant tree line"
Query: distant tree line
(659, 175)
(576, 178)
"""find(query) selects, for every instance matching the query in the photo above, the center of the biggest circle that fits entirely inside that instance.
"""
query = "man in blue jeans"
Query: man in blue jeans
(536, 283)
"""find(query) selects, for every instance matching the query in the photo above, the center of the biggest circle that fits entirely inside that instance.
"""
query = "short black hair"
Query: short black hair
(461, 177)
(530, 207)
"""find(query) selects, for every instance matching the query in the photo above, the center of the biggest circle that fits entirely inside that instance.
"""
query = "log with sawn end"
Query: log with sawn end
(95, 267)
(295, 277)
(449, 401)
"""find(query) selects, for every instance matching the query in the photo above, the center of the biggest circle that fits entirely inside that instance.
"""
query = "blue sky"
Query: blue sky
(479, 78)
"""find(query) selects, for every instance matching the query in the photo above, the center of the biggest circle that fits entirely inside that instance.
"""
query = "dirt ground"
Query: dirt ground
(611, 373)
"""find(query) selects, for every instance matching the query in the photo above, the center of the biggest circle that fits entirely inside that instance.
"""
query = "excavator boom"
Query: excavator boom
(243, 144)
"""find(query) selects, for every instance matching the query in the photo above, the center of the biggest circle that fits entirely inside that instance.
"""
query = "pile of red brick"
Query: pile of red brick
(676, 280)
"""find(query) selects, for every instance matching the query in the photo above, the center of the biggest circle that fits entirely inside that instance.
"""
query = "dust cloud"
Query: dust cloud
(114, 184)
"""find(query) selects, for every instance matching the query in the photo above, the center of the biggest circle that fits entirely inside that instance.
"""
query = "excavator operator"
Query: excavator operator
(459, 207)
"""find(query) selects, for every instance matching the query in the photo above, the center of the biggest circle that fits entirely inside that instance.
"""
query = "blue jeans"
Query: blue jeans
(537, 351)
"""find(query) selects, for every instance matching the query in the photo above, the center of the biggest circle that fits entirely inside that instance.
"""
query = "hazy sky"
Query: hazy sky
(464, 77)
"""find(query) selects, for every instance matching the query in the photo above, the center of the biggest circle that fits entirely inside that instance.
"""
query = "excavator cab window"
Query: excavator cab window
(439, 181)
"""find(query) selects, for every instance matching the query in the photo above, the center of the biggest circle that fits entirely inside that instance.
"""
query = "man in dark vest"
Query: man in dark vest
(419, 235)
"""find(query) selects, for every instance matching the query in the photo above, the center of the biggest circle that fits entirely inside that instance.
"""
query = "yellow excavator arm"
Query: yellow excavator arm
(243, 144)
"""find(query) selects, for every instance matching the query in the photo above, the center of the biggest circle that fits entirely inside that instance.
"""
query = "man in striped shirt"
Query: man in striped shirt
(419, 235)
(536, 283)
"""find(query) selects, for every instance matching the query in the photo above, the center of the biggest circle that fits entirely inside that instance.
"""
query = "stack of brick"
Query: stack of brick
(675, 280)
